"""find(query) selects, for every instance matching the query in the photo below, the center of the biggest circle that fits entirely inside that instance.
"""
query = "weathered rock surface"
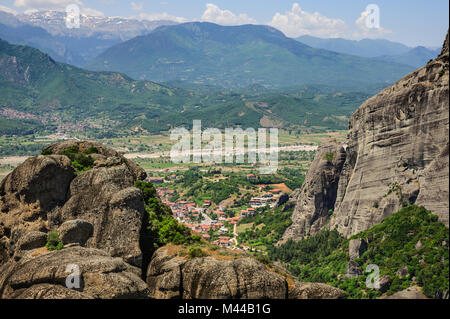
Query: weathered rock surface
(434, 186)
(409, 293)
(43, 193)
(394, 138)
(402, 272)
(353, 270)
(75, 231)
(315, 291)
(32, 240)
(172, 277)
(356, 248)
(385, 282)
(397, 152)
(110, 156)
(106, 198)
(41, 179)
(44, 276)
(315, 200)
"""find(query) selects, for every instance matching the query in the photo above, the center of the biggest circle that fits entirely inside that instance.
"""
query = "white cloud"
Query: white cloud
(298, 22)
(7, 10)
(366, 32)
(46, 4)
(32, 6)
(160, 16)
(137, 6)
(225, 17)
(92, 12)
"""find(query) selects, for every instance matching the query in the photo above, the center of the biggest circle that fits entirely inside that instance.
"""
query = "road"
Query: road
(295, 148)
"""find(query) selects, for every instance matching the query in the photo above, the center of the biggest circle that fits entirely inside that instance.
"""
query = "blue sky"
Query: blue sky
(416, 22)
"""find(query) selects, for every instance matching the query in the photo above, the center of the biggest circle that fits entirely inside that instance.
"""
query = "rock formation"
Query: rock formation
(98, 212)
(44, 276)
(171, 276)
(397, 153)
(315, 200)
(44, 192)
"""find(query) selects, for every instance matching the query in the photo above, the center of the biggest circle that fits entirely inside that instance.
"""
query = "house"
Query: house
(155, 180)
(206, 203)
(251, 177)
(225, 243)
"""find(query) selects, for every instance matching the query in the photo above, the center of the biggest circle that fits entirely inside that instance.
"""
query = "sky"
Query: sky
(412, 22)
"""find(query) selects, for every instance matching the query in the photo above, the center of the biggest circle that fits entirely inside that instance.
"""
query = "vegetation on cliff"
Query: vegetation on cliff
(412, 237)
(161, 227)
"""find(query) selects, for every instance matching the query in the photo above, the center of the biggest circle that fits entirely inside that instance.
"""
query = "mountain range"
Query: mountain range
(238, 56)
(380, 49)
(36, 90)
(47, 31)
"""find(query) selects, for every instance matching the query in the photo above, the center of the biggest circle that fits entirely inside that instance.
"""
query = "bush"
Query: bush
(329, 157)
(53, 241)
(46, 151)
(324, 257)
(80, 161)
(196, 252)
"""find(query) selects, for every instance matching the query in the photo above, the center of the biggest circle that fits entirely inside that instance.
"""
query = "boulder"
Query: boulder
(353, 270)
(315, 291)
(41, 179)
(402, 272)
(75, 231)
(106, 198)
(110, 156)
(419, 245)
(409, 293)
(170, 276)
(45, 275)
(384, 283)
(356, 248)
(32, 240)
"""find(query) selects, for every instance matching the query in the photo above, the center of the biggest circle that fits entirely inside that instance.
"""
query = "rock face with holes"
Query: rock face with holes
(397, 153)
(173, 277)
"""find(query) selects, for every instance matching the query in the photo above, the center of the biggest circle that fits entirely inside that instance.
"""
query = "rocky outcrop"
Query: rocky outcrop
(43, 179)
(44, 193)
(409, 293)
(98, 214)
(315, 201)
(394, 141)
(106, 198)
(75, 232)
(105, 155)
(356, 247)
(397, 153)
(171, 276)
(45, 275)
